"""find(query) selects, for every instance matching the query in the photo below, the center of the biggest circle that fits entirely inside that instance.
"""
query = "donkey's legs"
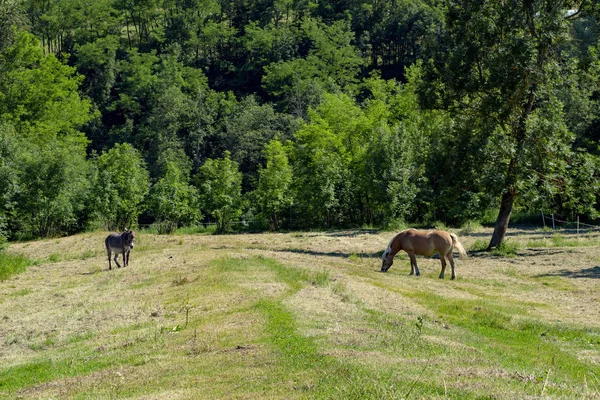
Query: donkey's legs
(117, 261)
(126, 258)
(109, 264)
(414, 268)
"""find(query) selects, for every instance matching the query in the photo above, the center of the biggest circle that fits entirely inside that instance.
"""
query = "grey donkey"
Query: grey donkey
(119, 243)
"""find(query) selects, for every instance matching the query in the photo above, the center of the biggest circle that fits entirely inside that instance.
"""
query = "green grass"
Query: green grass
(511, 337)
(506, 249)
(245, 324)
(13, 264)
(558, 240)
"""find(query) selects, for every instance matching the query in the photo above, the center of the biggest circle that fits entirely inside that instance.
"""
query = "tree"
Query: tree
(54, 187)
(45, 174)
(8, 178)
(331, 62)
(121, 186)
(39, 94)
(247, 130)
(499, 62)
(11, 16)
(220, 184)
(274, 192)
(172, 200)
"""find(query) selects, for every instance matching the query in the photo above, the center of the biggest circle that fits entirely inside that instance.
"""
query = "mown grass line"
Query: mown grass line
(508, 335)
(332, 377)
(45, 369)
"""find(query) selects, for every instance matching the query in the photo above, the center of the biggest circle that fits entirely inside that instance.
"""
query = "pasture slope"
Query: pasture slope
(301, 315)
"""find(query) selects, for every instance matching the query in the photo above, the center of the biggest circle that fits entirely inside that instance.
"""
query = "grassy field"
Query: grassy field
(301, 315)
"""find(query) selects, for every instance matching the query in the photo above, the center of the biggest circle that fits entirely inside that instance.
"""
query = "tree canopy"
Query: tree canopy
(296, 113)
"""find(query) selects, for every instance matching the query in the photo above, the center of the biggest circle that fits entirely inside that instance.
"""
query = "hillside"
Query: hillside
(301, 315)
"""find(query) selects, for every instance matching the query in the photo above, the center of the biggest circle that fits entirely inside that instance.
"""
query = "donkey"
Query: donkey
(423, 243)
(119, 243)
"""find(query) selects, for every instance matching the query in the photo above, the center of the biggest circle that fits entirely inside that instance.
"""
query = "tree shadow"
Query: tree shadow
(353, 233)
(330, 253)
(520, 253)
(593, 273)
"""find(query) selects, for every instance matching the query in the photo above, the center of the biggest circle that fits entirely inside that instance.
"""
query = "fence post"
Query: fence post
(543, 219)
(578, 224)
(553, 221)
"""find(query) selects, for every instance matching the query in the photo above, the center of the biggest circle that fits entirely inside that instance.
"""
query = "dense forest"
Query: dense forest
(294, 114)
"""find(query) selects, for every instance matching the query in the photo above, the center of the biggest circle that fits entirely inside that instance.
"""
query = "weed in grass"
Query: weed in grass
(144, 283)
(21, 292)
(341, 290)
(320, 278)
(510, 271)
(355, 258)
(54, 257)
(506, 249)
(89, 254)
(13, 264)
(203, 344)
(42, 345)
(479, 245)
(82, 337)
(180, 281)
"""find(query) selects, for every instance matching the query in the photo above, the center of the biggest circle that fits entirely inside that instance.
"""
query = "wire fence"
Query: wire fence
(555, 223)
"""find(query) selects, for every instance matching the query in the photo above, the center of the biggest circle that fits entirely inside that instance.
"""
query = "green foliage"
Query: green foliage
(120, 188)
(220, 185)
(413, 111)
(54, 199)
(331, 61)
(173, 201)
(38, 94)
(274, 193)
(44, 175)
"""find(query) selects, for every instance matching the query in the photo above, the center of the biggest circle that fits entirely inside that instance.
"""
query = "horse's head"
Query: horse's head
(387, 260)
(128, 238)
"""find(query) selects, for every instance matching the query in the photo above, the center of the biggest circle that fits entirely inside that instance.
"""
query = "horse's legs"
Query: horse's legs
(414, 268)
(116, 260)
(449, 257)
(443, 260)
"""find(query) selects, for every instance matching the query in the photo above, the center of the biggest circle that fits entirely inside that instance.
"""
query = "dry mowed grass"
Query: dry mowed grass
(301, 315)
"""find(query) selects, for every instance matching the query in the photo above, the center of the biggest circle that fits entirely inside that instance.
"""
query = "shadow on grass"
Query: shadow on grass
(593, 273)
(519, 253)
(330, 253)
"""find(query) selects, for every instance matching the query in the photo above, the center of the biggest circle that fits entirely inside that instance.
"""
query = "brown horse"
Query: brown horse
(423, 243)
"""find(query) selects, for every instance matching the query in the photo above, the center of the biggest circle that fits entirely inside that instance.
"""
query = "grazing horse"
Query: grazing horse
(119, 243)
(423, 243)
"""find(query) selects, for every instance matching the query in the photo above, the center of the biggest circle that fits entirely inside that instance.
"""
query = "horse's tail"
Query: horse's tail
(458, 246)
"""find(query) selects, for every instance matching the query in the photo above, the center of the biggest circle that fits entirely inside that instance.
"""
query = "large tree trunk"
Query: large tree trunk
(506, 206)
